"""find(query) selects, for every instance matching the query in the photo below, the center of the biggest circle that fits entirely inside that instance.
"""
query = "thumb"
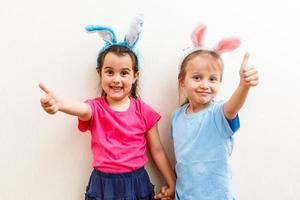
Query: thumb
(164, 190)
(44, 88)
(245, 61)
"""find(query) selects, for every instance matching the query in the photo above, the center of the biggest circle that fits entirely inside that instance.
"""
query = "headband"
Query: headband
(224, 45)
(110, 39)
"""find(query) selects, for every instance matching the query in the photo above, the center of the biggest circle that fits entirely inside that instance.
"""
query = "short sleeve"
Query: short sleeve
(225, 126)
(83, 126)
(151, 117)
(234, 123)
(171, 129)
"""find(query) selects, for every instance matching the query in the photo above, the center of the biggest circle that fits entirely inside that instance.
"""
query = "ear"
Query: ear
(198, 35)
(99, 72)
(136, 76)
(105, 33)
(228, 44)
(134, 31)
(181, 82)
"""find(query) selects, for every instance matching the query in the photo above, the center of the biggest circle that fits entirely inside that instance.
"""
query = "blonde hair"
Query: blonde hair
(213, 60)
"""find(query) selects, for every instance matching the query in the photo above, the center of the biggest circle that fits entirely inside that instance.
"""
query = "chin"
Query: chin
(117, 97)
(205, 101)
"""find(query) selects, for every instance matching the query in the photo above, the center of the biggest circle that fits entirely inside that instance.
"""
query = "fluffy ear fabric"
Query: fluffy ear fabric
(198, 35)
(134, 31)
(228, 44)
(105, 33)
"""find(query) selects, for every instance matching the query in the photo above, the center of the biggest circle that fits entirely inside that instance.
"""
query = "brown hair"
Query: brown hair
(120, 51)
(214, 60)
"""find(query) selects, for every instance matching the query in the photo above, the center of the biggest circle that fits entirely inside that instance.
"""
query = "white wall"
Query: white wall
(45, 157)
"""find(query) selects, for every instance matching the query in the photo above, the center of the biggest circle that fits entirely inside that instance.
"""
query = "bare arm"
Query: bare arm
(52, 103)
(249, 78)
(159, 157)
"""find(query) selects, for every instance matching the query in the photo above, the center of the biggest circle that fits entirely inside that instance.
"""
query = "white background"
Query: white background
(45, 157)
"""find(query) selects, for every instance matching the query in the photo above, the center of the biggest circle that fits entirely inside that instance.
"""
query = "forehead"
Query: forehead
(113, 60)
(203, 63)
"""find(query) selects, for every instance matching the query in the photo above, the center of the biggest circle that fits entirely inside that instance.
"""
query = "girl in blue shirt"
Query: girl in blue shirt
(203, 129)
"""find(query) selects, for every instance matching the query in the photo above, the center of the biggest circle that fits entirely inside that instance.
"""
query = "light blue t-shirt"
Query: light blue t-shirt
(203, 143)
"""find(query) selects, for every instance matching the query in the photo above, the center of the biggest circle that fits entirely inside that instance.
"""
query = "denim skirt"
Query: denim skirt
(133, 185)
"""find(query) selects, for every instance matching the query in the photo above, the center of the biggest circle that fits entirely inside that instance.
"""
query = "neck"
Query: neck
(119, 105)
(196, 107)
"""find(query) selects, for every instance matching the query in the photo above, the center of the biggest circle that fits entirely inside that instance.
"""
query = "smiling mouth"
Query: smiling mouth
(203, 93)
(116, 88)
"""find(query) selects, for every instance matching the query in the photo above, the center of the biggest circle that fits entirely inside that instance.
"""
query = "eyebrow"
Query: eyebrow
(124, 68)
(127, 69)
(195, 73)
(198, 74)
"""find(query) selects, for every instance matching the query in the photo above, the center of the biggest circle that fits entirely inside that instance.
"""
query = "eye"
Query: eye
(124, 73)
(109, 72)
(197, 78)
(213, 79)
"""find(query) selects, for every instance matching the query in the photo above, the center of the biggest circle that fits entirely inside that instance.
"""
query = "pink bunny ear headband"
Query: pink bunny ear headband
(224, 45)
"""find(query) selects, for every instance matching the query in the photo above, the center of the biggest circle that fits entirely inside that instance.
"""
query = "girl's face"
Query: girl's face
(201, 82)
(117, 76)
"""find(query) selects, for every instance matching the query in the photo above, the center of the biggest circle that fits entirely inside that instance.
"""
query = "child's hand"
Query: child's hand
(248, 73)
(49, 102)
(165, 193)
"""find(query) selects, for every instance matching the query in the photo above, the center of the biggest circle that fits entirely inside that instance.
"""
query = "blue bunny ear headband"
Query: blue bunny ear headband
(110, 39)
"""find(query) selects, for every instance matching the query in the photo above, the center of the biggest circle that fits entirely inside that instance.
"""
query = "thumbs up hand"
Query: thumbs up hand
(50, 102)
(248, 73)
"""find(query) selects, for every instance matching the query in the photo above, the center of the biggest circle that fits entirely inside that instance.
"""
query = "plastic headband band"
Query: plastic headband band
(224, 45)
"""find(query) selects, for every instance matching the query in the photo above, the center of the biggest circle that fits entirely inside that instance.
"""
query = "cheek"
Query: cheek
(104, 81)
(216, 88)
(189, 89)
(191, 84)
(128, 81)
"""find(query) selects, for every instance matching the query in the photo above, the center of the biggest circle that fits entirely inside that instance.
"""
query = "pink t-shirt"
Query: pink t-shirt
(118, 139)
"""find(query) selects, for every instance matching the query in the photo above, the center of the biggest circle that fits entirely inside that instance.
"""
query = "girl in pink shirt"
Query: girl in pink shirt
(121, 125)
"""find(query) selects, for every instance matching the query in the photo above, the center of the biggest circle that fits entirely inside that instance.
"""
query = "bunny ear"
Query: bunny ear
(198, 35)
(134, 31)
(228, 44)
(105, 33)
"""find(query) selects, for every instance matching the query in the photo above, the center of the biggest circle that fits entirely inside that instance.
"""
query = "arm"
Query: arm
(52, 103)
(249, 78)
(159, 157)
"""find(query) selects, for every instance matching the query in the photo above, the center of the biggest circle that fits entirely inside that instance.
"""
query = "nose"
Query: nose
(116, 78)
(204, 84)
